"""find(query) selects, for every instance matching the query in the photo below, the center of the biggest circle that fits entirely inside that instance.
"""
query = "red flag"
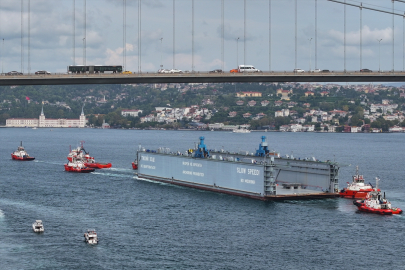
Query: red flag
(27, 98)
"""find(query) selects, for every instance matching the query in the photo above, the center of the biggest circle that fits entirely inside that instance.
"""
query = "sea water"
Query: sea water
(149, 225)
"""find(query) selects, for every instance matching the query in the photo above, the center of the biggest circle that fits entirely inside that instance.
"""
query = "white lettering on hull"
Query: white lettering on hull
(148, 167)
(247, 181)
(148, 158)
(193, 173)
(249, 171)
(192, 164)
(240, 170)
(253, 171)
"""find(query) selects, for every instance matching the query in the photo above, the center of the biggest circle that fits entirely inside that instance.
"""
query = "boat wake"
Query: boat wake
(112, 174)
(148, 180)
(120, 169)
(48, 162)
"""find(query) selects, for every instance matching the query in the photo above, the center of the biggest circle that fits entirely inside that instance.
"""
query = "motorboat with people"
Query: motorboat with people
(135, 165)
(37, 226)
(78, 165)
(90, 237)
(377, 204)
(21, 154)
(357, 188)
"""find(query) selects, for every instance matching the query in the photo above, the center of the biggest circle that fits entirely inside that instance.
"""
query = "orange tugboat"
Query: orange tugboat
(21, 154)
(356, 189)
(376, 204)
(77, 165)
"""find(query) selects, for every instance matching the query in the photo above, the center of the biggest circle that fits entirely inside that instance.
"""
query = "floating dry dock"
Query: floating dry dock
(264, 175)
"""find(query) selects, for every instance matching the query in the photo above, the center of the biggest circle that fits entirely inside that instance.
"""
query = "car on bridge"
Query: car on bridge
(235, 70)
(174, 70)
(216, 71)
(298, 70)
(42, 72)
(315, 70)
(127, 72)
(365, 70)
(248, 68)
(163, 70)
(13, 73)
(325, 71)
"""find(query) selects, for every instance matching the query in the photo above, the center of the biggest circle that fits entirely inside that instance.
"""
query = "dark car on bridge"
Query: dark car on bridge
(216, 71)
(365, 70)
(13, 73)
(325, 71)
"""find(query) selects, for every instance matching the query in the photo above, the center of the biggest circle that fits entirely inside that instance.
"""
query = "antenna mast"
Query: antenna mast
(22, 40)
(84, 40)
(124, 35)
(74, 32)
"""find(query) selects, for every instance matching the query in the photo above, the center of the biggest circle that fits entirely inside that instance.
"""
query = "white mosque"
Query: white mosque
(43, 122)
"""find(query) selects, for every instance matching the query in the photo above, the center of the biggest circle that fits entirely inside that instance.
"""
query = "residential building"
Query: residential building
(232, 114)
(264, 103)
(249, 94)
(134, 113)
(252, 103)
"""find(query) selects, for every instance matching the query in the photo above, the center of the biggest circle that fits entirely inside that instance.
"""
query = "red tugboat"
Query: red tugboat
(80, 154)
(376, 204)
(77, 165)
(356, 189)
(135, 165)
(97, 165)
(75, 153)
(21, 154)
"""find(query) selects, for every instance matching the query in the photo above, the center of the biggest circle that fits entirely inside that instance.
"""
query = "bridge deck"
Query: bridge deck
(66, 79)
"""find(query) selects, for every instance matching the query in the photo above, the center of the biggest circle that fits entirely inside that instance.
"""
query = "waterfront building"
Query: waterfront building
(43, 122)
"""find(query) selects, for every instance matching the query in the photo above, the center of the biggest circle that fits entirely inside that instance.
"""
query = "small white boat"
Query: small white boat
(90, 237)
(37, 226)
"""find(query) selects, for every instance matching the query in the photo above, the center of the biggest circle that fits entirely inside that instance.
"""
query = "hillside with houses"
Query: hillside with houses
(258, 106)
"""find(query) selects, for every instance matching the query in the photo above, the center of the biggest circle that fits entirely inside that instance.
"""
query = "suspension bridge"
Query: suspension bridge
(271, 71)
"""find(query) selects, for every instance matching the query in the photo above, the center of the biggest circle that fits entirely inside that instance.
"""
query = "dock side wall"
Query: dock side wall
(219, 174)
(313, 176)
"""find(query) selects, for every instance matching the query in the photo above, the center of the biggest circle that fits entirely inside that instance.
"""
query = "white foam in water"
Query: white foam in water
(1, 214)
(120, 169)
(112, 174)
(147, 180)
(47, 162)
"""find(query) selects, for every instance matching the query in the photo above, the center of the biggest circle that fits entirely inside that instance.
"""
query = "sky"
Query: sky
(53, 37)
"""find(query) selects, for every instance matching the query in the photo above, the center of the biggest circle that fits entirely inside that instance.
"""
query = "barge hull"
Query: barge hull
(311, 196)
(261, 179)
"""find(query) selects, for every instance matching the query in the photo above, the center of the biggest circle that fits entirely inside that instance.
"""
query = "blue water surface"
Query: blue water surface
(148, 225)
